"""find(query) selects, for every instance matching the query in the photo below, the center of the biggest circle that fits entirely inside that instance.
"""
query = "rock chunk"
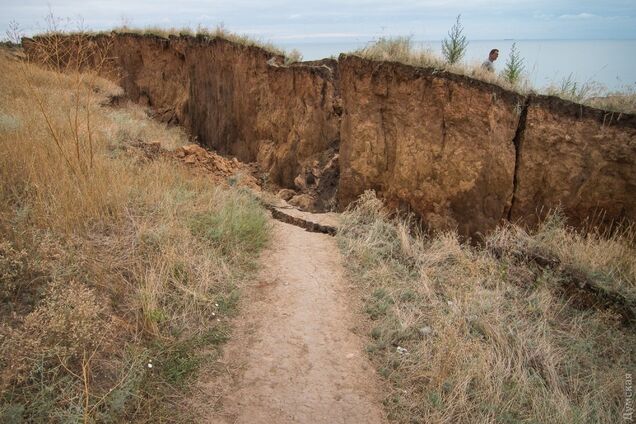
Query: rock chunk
(304, 202)
(286, 194)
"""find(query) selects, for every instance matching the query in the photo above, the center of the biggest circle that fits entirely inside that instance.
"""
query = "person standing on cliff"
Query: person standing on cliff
(489, 64)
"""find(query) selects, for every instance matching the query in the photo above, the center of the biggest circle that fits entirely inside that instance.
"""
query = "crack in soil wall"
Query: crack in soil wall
(516, 141)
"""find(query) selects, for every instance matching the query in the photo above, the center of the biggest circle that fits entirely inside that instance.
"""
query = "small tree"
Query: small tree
(514, 66)
(454, 47)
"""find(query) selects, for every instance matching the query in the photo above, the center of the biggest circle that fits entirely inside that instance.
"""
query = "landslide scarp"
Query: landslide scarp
(458, 152)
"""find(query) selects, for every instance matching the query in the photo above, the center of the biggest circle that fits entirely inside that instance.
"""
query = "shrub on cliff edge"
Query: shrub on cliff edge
(454, 47)
(514, 66)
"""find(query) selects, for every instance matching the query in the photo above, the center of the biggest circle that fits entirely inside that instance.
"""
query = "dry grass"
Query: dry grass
(491, 338)
(403, 50)
(217, 32)
(619, 101)
(105, 260)
(606, 259)
(201, 31)
(211, 33)
(57, 27)
(594, 94)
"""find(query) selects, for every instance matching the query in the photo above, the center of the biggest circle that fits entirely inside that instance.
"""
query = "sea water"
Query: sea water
(611, 63)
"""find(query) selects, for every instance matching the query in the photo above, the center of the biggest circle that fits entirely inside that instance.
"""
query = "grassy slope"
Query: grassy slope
(492, 337)
(109, 261)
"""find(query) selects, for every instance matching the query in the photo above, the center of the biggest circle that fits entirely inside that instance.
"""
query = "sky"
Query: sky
(341, 20)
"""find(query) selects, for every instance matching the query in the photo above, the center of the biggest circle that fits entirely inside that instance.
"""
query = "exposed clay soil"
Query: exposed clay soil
(293, 357)
(449, 148)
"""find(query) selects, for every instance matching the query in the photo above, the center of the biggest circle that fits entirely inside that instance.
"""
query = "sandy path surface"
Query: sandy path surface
(298, 360)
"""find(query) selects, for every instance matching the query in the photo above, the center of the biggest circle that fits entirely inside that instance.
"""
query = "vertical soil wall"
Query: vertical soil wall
(579, 159)
(460, 153)
(435, 143)
(234, 98)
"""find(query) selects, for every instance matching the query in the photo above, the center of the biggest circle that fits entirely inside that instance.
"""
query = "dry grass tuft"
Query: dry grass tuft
(594, 94)
(618, 101)
(102, 271)
(475, 334)
(67, 322)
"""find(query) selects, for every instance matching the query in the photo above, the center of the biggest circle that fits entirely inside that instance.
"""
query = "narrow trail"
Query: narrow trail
(297, 359)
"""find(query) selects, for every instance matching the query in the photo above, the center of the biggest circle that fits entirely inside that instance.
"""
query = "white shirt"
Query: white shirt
(489, 65)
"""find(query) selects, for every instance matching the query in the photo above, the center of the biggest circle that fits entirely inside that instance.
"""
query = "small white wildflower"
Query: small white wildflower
(149, 365)
(218, 319)
(426, 330)
(213, 314)
(216, 304)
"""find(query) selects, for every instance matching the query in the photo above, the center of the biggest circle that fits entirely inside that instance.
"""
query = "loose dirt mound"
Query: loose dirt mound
(217, 166)
(221, 170)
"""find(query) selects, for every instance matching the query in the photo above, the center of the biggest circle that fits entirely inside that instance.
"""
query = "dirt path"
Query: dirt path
(299, 361)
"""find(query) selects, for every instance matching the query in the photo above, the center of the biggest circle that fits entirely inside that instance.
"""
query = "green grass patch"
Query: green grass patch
(239, 224)
(228, 304)
(178, 362)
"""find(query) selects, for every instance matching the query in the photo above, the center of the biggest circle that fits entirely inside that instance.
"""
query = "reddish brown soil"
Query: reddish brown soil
(216, 166)
(458, 152)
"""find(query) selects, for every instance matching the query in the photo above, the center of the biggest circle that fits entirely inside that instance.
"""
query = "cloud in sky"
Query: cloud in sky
(324, 35)
(342, 19)
(579, 16)
(588, 16)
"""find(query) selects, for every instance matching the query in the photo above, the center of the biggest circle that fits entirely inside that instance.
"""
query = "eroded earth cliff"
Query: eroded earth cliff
(458, 152)
(580, 159)
(432, 142)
